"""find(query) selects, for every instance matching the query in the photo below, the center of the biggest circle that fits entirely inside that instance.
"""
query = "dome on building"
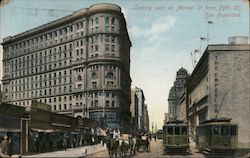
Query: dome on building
(182, 71)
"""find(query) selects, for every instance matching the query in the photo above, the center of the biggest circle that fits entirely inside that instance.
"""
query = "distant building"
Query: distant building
(0, 93)
(166, 118)
(219, 87)
(146, 118)
(182, 107)
(175, 92)
(78, 64)
(138, 109)
(134, 110)
(1, 58)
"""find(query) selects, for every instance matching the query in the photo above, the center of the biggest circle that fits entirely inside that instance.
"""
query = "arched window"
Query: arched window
(94, 76)
(79, 78)
(107, 20)
(110, 75)
(113, 20)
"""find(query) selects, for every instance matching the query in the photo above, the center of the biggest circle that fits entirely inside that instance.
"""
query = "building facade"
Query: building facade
(166, 118)
(219, 88)
(146, 118)
(1, 58)
(134, 110)
(79, 64)
(139, 109)
(175, 92)
(183, 107)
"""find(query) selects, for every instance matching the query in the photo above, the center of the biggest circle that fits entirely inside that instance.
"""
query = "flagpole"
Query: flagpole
(208, 22)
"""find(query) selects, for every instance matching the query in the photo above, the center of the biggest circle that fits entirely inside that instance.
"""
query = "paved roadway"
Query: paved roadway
(156, 150)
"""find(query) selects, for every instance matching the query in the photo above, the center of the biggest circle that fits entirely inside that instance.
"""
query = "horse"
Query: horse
(124, 147)
(113, 147)
(132, 143)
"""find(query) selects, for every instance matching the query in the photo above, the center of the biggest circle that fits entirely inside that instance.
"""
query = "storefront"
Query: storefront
(11, 125)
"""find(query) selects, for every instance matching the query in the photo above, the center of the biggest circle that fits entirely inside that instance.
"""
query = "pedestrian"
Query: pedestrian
(155, 137)
(37, 145)
(4, 146)
(150, 137)
(65, 143)
(10, 147)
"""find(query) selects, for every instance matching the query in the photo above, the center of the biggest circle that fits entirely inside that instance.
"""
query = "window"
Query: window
(177, 130)
(216, 130)
(96, 29)
(170, 131)
(93, 84)
(96, 38)
(107, 47)
(96, 20)
(113, 39)
(96, 103)
(110, 75)
(224, 130)
(113, 103)
(106, 38)
(79, 78)
(107, 20)
(112, 48)
(106, 28)
(96, 48)
(110, 83)
(94, 76)
(113, 21)
(233, 130)
(107, 103)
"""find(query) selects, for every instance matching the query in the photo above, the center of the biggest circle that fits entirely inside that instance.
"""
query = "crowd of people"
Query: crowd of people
(6, 146)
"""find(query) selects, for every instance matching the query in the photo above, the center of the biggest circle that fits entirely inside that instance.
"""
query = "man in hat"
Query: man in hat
(4, 147)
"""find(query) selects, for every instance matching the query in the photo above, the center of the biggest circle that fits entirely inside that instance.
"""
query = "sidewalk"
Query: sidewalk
(72, 152)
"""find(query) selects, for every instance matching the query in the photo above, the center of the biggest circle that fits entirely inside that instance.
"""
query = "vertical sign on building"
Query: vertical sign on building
(216, 83)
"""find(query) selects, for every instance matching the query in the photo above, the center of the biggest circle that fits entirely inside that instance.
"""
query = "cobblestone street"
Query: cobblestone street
(156, 150)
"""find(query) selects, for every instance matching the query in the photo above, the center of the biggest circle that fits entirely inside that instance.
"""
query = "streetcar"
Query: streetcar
(175, 136)
(217, 136)
(159, 134)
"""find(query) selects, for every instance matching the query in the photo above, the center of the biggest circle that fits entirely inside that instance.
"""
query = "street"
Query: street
(156, 150)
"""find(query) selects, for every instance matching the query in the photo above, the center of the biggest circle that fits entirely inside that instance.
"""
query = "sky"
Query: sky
(163, 35)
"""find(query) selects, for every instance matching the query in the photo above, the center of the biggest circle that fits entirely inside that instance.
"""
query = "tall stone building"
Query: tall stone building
(146, 118)
(78, 64)
(138, 109)
(175, 92)
(1, 58)
(219, 87)
(134, 110)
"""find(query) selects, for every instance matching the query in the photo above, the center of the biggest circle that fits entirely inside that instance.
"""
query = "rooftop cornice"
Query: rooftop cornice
(103, 7)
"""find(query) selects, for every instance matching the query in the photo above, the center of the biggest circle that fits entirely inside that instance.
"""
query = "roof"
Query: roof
(225, 120)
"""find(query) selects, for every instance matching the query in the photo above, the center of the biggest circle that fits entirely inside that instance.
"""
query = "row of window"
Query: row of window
(41, 93)
(55, 33)
(99, 115)
(40, 85)
(41, 78)
(108, 84)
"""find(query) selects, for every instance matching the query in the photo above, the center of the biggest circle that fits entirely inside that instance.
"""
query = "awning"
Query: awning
(61, 125)
(44, 130)
(10, 130)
